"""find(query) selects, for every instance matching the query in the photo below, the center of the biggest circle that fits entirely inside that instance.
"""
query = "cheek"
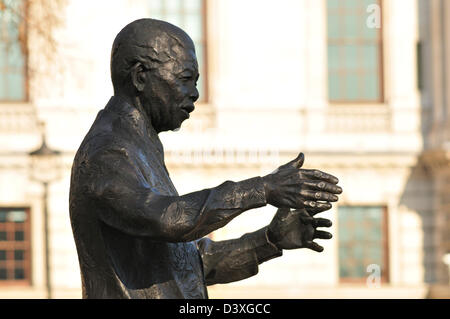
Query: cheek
(180, 90)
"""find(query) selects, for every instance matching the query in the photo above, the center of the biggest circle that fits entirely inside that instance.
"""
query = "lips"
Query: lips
(187, 109)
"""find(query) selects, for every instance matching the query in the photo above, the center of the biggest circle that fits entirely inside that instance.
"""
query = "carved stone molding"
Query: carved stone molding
(17, 118)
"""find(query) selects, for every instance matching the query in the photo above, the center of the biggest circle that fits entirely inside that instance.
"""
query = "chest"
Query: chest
(149, 161)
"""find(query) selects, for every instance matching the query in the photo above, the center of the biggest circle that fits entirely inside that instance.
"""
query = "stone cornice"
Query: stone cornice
(235, 158)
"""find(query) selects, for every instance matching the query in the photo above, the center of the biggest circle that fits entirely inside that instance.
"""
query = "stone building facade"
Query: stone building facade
(359, 86)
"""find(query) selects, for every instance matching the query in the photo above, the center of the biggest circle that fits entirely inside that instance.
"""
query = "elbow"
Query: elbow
(179, 232)
(177, 224)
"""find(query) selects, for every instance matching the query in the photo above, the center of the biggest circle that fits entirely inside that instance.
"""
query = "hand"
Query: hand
(291, 229)
(293, 187)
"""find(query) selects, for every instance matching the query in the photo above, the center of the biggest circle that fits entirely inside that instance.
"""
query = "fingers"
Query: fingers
(320, 234)
(318, 208)
(324, 186)
(322, 222)
(314, 246)
(316, 174)
(313, 195)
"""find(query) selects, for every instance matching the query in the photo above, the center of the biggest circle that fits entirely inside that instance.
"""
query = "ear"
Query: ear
(138, 76)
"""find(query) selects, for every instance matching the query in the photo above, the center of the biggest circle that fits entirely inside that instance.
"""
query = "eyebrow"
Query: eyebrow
(189, 69)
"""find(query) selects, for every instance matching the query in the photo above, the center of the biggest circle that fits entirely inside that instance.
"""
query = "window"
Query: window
(189, 15)
(362, 232)
(354, 53)
(15, 261)
(12, 56)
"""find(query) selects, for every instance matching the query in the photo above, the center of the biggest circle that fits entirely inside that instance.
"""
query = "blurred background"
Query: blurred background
(360, 86)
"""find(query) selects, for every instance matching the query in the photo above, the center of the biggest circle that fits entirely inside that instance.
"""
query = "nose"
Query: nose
(194, 94)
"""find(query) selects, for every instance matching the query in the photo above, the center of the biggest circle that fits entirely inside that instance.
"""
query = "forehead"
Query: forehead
(176, 48)
(184, 57)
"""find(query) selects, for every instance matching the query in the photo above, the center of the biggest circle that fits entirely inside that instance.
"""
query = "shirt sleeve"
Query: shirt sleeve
(126, 201)
(236, 259)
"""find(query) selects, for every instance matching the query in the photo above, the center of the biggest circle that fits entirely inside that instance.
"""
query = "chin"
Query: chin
(177, 126)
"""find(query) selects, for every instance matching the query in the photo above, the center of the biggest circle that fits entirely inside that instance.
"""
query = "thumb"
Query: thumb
(298, 162)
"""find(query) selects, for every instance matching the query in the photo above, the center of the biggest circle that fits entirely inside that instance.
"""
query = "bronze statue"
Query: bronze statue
(135, 236)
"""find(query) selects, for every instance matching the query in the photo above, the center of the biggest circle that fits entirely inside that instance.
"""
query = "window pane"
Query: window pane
(361, 240)
(173, 5)
(371, 85)
(333, 57)
(334, 4)
(192, 5)
(18, 255)
(333, 27)
(369, 57)
(12, 59)
(174, 18)
(350, 56)
(3, 57)
(155, 5)
(3, 275)
(193, 23)
(334, 86)
(15, 57)
(16, 87)
(351, 26)
(17, 216)
(15, 256)
(19, 236)
(353, 50)
(351, 87)
(19, 273)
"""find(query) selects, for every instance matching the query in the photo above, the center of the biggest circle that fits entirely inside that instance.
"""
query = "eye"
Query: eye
(186, 76)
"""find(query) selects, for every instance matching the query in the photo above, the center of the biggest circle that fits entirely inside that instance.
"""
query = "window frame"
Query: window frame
(381, 82)
(25, 245)
(385, 274)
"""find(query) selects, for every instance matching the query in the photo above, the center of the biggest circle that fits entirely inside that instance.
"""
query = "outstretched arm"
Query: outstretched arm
(127, 202)
(232, 260)
(235, 259)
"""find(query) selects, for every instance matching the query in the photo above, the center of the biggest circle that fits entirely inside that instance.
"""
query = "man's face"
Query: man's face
(171, 90)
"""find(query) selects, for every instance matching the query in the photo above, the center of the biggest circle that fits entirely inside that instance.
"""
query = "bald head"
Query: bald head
(149, 42)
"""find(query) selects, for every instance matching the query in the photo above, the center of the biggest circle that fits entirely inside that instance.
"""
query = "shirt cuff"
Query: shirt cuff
(254, 190)
(264, 248)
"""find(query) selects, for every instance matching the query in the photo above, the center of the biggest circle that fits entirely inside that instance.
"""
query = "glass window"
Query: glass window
(12, 56)
(362, 235)
(15, 246)
(189, 15)
(354, 53)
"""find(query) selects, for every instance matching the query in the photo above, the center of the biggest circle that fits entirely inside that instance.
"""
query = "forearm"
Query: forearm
(235, 259)
(180, 218)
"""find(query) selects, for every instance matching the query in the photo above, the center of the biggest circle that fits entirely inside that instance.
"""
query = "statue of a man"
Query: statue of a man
(136, 237)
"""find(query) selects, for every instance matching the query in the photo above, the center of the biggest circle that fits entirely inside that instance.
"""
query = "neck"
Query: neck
(136, 102)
